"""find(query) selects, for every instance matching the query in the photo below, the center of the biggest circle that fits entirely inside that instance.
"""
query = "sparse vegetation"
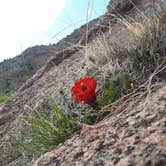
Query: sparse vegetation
(150, 51)
(15, 71)
(138, 53)
(3, 98)
(43, 133)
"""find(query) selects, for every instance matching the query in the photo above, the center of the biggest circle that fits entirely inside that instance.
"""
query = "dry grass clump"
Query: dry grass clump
(136, 47)
(150, 53)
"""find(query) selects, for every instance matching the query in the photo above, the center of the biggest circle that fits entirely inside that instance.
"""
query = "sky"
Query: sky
(26, 23)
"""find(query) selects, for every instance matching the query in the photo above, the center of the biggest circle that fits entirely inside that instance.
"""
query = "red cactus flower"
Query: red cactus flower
(85, 90)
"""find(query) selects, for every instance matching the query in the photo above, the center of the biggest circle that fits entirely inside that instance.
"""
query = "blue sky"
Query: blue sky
(74, 15)
(25, 23)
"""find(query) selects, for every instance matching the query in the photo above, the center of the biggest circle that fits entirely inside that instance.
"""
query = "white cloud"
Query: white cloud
(24, 21)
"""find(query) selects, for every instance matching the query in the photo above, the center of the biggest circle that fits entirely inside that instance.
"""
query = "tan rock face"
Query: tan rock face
(136, 137)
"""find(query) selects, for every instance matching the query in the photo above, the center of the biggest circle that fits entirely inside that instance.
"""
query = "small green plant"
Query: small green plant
(87, 117)
(117, 83)
(11, 92)
(109, 97)
(3, 98)
(42, 133)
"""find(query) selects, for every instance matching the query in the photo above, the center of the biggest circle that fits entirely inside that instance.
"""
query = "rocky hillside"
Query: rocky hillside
(15, 71)
(130, 37)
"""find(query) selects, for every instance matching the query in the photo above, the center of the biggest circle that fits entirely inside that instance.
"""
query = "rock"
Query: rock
(149, 151)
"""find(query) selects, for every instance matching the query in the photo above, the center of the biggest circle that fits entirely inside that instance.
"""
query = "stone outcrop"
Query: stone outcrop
(135, 136)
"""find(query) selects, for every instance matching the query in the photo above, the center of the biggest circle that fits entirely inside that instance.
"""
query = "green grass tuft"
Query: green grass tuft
(3, 98)
(44, 134)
